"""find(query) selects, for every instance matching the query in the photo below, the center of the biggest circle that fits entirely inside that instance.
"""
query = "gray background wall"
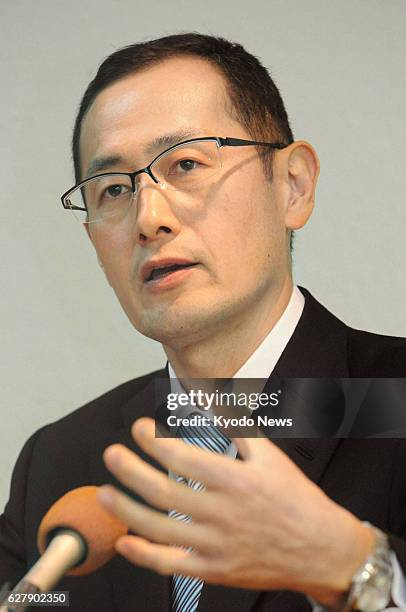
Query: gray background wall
(341, 69)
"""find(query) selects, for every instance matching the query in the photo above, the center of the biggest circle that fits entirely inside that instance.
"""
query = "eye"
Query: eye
(184, 167)
(115, 191)
(188, 164)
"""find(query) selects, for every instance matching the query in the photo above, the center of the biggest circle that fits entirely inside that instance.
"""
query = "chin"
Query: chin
(170, 330)
(178, 326)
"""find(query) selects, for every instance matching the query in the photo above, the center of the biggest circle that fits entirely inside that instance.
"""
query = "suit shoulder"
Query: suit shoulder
(66, 449)
(104, 412)
(375, 355)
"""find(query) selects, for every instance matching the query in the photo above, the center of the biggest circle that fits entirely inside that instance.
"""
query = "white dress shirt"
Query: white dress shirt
(261, 365)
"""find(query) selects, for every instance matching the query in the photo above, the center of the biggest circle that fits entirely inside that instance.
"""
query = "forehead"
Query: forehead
(185, 93)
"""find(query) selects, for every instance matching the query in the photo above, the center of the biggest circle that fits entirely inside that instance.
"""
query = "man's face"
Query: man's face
(232, 226)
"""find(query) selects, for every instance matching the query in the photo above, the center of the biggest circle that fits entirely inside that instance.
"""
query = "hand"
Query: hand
(260, 523)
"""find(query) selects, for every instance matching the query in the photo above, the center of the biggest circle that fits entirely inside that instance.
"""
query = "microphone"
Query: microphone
(76, 537)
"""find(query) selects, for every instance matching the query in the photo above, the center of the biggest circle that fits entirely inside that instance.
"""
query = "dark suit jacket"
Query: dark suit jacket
(366, 476)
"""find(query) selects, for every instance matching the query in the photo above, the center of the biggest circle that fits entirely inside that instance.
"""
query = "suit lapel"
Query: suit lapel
(317, 349)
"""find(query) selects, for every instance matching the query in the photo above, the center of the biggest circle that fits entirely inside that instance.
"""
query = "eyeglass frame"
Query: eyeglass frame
(221, 142)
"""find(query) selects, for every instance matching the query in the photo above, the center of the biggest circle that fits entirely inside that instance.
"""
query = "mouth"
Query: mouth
(152, 273)
(158, 273)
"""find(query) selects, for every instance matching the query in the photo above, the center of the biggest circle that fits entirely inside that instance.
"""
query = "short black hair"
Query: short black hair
(256, 102)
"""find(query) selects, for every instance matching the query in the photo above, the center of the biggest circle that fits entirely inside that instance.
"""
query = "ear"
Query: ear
(301, 174)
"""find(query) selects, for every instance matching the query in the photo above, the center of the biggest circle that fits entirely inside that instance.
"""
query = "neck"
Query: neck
(223, 353)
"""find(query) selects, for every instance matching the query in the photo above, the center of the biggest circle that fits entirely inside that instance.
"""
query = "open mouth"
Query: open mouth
(163, 271)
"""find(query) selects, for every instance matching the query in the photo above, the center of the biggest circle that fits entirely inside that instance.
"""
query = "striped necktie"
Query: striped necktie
(186, 589)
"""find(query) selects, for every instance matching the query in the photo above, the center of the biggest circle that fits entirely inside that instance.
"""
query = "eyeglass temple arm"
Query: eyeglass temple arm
(71, 206)
(238, 142)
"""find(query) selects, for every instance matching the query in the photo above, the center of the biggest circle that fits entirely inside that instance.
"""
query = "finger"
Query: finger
(165, 560)
(154, 486)
(150, 523)
(213, 470)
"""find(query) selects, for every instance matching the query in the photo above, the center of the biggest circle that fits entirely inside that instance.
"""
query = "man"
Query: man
(192, 220)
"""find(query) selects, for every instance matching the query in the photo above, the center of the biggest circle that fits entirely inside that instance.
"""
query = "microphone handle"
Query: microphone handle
(65, 550)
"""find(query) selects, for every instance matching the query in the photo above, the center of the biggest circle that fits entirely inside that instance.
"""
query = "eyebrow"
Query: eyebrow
(168, 140)
(102, 163)
(158, 144)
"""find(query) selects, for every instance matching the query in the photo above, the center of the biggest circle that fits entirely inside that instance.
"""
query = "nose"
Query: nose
(155, 219)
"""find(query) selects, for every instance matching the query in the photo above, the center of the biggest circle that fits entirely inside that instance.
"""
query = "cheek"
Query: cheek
(229, 241)
(252, 238)
(249, 219)
(115, 251)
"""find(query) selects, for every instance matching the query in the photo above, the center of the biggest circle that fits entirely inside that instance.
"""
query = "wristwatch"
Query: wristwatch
(370, 589)
(372, 584)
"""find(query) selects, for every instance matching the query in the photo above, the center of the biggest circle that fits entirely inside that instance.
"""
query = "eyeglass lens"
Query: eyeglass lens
(182, 168)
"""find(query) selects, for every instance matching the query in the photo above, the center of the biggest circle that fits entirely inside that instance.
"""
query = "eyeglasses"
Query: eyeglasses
(182, 167)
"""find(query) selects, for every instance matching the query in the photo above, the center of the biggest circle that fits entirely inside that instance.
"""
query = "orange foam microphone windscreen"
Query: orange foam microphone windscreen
(80, 511)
